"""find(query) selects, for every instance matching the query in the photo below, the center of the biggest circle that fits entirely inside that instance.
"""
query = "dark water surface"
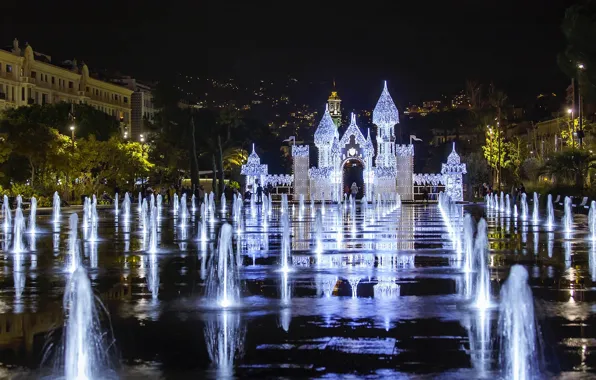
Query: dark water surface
(324, 318)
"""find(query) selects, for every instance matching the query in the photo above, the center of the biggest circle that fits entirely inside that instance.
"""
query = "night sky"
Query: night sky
(423, 48)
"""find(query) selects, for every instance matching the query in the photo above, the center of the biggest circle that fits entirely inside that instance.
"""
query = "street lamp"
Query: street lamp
(580, 132)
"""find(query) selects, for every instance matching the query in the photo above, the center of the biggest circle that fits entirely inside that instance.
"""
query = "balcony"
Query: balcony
(28, 80)
(2, 96)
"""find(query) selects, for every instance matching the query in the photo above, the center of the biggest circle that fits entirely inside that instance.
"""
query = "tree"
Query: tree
(88, 120)
(495, 151)
(572, 165)
(477, 167)
(517, 151)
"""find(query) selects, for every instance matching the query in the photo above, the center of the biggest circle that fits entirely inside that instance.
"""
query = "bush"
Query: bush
(530, 169)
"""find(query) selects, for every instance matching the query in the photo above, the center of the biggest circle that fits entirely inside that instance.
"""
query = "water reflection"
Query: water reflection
(224, 336)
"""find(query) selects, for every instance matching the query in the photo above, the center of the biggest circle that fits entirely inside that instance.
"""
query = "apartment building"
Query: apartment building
(28, 77)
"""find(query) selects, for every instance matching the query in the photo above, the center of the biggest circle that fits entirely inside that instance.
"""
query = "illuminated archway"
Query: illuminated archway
(353, 172)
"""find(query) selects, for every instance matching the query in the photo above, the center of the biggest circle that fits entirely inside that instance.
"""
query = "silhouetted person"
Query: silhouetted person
(259, 193)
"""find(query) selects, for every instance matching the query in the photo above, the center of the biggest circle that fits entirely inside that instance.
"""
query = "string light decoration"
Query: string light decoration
(394, 164)
(385, 114)
(300, 151)
(353, 130)
(278, 180)
(326, 130)
(429, 179)
(253, 170)
(300, 154)
(453, 172)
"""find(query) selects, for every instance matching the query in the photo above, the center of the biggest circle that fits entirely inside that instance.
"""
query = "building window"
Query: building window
(53, 80)
(22, 93)
(70, 84)
(87, 89)
(125, 100)
(33, 74)
(9, 68)
(43, 99)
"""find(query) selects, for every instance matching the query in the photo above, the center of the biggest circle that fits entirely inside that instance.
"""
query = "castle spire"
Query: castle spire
(385, 114)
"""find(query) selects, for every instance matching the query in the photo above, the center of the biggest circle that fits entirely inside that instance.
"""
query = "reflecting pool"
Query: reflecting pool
(376, 290)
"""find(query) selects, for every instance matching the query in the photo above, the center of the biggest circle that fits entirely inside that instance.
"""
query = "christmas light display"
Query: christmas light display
(385, 113)
(453, 172)
(392, 172)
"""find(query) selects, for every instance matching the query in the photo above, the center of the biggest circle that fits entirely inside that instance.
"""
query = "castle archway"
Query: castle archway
(353, 172)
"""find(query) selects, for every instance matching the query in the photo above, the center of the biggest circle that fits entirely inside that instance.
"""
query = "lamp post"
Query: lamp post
(572, 124)
(580, 132)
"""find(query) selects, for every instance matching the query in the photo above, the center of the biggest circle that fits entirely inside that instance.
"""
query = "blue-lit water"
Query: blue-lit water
(322, 318)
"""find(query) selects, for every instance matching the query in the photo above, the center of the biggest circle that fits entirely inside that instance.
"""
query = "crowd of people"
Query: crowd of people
(515, 193)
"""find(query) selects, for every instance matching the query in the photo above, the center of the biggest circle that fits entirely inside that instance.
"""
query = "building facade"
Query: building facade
(142, 104)
(28, 77)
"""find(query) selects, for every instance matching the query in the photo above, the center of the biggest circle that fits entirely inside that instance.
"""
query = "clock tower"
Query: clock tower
(334, 104)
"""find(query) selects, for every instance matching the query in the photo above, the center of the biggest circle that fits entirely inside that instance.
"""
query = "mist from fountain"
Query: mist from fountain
(193, 204)
(202, 225)
(515, 214)
(535, 210)
(550, 212)
(184, 215)
(85, 354)
(318, 232)
(56, 208)
(6, 214)
(524, 206)
(86, 212)
(592, 220)
(33, 216)
(507, 204)
(126, 207)
(517, 327)
(153, 231)
(568, 216)
(140, 202)
(469, 230)
(176, 204)
(116, 200)
(223, 284)
(502, 202)
(481, 250)
(18, 246)
(223, 201)
(285, 243)
(73, 245)
(94, 220)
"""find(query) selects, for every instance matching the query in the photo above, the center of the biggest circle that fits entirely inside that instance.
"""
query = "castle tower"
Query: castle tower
(385, 117)
(324, 135)
(334, 105)
(453, 172)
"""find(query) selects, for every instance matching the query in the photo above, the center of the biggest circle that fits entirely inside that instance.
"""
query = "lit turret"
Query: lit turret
(385, 114)
(324, 136)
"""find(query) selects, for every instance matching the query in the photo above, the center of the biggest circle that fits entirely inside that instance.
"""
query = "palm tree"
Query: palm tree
(572, 165)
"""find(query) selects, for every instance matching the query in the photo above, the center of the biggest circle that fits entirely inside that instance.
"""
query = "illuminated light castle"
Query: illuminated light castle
(392, 171)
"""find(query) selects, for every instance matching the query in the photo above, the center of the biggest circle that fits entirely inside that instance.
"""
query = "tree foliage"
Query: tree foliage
(571, 166)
